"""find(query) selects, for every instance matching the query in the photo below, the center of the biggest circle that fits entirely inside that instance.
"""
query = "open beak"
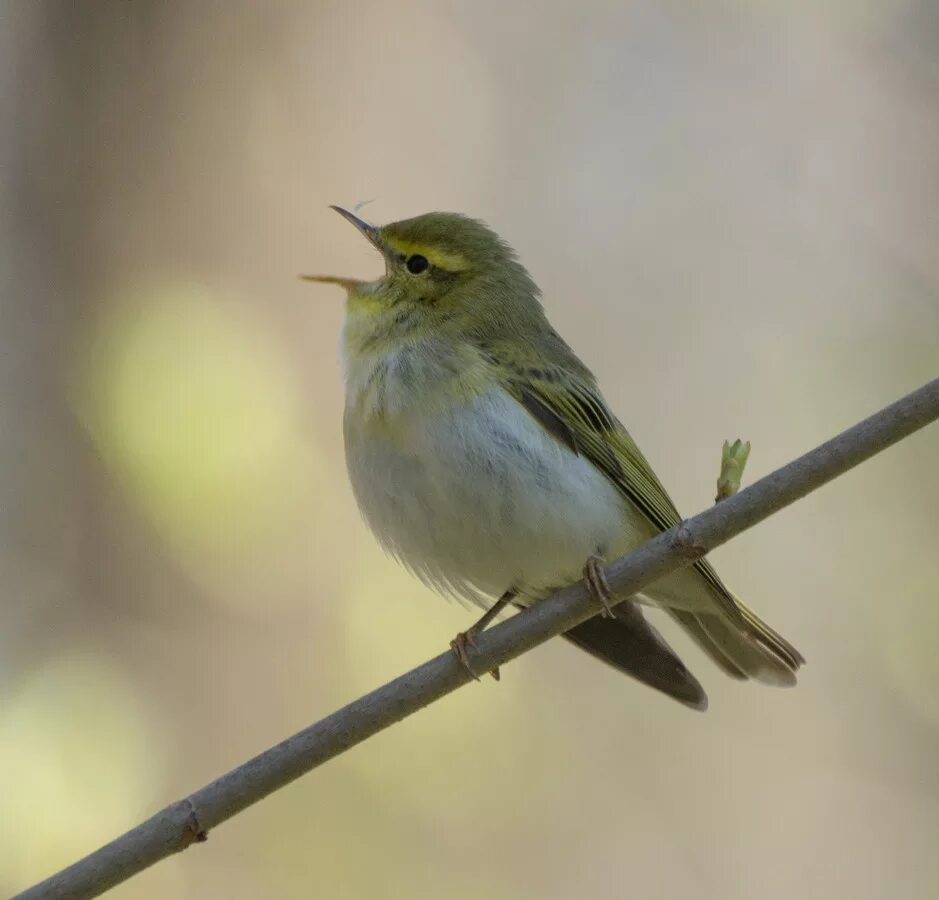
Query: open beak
(350, 284)
(370, 232)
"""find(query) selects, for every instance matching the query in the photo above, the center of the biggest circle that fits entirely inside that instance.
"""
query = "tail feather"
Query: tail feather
(770, 639)
(752, 651)
(689, 621)
(748, 653)
(629, 643)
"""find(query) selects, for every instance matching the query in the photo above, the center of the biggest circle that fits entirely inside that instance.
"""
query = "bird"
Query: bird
(484, 458)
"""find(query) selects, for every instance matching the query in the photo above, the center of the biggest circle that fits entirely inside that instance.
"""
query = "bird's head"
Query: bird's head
(440, 268)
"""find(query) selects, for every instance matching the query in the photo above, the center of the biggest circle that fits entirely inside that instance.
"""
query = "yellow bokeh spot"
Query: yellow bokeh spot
(81, 765)
(196, 415)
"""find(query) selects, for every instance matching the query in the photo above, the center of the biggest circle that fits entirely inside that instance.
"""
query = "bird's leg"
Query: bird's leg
(598, 586)
(467, 638)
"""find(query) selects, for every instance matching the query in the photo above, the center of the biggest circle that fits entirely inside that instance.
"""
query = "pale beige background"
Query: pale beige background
(732, 209)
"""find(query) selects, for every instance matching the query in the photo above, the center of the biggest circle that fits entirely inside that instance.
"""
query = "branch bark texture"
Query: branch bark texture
(187, 821)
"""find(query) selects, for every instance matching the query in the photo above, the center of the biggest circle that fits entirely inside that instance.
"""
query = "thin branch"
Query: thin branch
(181, 824)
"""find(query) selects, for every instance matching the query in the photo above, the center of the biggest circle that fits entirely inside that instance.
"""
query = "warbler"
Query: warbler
(485, 459)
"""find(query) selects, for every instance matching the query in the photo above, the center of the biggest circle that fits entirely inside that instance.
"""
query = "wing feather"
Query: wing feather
(573, 411)
(562, 395)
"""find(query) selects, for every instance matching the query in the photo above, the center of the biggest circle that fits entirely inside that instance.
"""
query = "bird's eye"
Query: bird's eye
(417, 264)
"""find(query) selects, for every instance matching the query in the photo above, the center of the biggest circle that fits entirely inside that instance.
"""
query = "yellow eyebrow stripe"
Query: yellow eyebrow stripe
(451, 262)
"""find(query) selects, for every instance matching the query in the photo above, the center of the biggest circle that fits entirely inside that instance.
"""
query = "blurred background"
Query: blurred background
(731, 208)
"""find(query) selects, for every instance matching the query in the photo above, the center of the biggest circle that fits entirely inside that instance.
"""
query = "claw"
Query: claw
(459, 644)
(598, 586)
(467, 638)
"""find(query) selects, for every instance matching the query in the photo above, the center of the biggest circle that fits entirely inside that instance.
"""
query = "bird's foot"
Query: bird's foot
(459, 647)
(466, 638)
(598, 586)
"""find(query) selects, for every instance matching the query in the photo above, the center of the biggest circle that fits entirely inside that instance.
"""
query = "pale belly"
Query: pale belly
(480, 499)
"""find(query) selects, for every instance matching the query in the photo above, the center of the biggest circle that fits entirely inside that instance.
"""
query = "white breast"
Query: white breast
(478, 498)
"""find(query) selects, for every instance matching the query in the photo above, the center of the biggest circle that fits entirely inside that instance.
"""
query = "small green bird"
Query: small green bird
(483, 456)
